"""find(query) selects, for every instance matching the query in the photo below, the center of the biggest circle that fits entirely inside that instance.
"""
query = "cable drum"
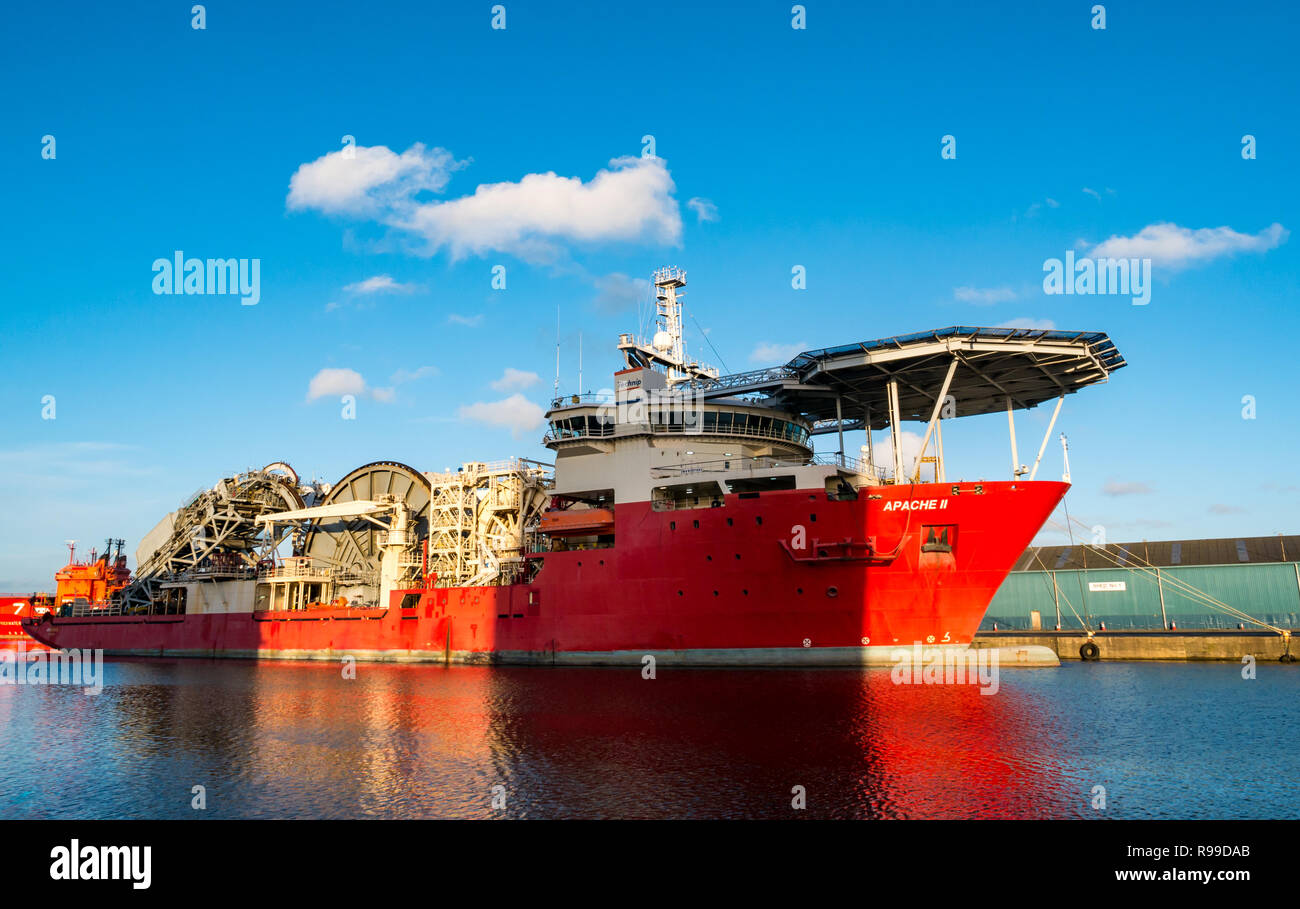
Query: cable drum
(352, 544)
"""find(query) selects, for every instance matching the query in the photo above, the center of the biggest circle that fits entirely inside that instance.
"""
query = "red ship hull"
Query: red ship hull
(781, 578)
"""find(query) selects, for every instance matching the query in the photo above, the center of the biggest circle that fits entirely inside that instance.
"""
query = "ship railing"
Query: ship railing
(85, 610)
(600, 432)
(359, 605)
(504, 465)
(577, 400)
(848, 462)
(268, 573)
(756, 378)
(213, 574)
(605, 431)
(499, 466)
(751, 465)
(790, 432)
(725, 465)
(509, 465)
(193, 497)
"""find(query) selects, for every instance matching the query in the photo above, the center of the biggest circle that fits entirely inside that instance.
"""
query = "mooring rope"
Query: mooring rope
(1058, 592)
(1188, 590)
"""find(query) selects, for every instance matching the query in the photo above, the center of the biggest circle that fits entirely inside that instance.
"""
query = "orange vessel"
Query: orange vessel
(86, 586)
(80, 588)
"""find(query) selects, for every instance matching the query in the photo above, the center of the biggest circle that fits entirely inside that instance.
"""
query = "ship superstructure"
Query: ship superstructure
(81, 587)
(686, 515)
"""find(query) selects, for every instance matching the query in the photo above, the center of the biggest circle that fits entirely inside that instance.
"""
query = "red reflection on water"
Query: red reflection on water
(301, 740)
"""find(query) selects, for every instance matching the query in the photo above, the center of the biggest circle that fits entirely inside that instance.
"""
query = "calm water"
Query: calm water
(274, 740)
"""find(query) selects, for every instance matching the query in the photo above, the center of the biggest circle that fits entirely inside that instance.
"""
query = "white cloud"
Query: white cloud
(1045, 324)
(1171, 246)
(986, 296)
(381, 284)
(516, 413)
(1116, 488)
(330, 383)
(1092, 192)
(1226, 509)
(618, 292)
(705, 209)
(883, 452)
(334, 382)
(370, 180)
(629, 201)
(516, 380)
(771, 352)
(471, 321)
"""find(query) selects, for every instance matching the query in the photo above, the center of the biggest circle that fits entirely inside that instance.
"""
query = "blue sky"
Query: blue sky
(817, 147)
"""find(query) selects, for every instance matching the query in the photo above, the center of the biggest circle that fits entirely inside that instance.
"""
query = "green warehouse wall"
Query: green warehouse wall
(1269, 592)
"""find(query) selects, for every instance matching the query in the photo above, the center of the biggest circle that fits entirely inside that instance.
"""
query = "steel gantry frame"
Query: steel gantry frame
(480, 517)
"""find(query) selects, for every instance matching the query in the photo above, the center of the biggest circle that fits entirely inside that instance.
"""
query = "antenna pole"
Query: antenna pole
(557, 350)
(667, 348)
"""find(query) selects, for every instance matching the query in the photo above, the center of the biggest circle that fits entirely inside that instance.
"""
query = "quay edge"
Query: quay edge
(1184, 646)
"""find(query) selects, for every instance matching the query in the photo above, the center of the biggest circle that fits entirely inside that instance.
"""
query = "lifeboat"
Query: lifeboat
(579, 522)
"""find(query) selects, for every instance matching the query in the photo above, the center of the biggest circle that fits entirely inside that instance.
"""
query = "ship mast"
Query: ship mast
(667, 349)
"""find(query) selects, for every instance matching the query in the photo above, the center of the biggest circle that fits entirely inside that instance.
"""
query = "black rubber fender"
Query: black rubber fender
(1089, 652)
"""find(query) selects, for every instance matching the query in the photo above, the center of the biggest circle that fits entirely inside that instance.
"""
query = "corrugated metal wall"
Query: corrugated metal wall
(1270, 592)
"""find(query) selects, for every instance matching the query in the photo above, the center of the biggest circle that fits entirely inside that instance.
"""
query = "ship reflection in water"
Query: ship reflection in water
(298, 740)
